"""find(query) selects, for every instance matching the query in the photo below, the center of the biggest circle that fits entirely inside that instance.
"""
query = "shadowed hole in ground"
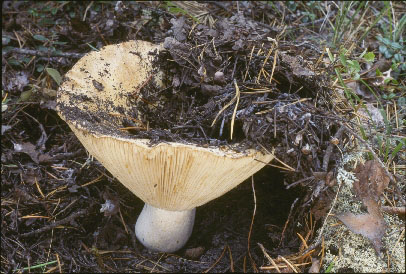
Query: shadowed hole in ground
(226, 220)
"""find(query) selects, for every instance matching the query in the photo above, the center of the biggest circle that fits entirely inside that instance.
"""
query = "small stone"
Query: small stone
(194, 253)
(219, 77)
(306, 149)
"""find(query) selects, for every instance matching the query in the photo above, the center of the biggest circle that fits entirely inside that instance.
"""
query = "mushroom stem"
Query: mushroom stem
(164, 230)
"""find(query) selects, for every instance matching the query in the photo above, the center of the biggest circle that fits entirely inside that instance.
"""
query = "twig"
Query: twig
(300, 181)
(330, 147)
(269, 258)
(55, 224)
(287, 221)
(295, 27)
(87, 8)
(273, 65)
(235, 66)
(218, 260)
(143, 85)
(42, 140)
(243, 255)
(288, 263)
(237, 94)
(47, 53)
(318, 241)
(122, 221)
(398, 210)
(231, 259)
(281, 266)
(226, 106)
(252, 223)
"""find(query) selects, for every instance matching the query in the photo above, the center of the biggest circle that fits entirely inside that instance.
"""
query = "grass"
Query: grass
(330, 266)
(34, 267)
(350, 62)
(176, 8)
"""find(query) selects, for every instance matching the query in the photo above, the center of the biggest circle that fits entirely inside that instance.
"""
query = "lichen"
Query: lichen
(356, 252)
(352, 251)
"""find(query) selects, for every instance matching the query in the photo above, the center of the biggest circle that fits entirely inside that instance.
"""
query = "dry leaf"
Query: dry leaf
(17, 82)
(372, 181)
(368, 225)
(179, 28)
(376, 115)
(322, 205)
(360, 90)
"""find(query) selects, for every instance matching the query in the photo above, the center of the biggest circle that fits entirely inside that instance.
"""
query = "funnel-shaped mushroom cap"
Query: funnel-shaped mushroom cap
(96, 99)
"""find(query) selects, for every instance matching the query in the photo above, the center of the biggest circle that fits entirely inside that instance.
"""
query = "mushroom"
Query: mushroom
(99, 96)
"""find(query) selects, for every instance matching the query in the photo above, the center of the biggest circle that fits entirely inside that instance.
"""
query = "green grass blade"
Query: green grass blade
(330, 266)
(399, 147)
(36, 266)
(381, 14)
(344, 9)
(400, 28)
(360, 6)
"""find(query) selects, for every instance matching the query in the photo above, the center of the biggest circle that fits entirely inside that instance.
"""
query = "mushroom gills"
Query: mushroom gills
(164, 230)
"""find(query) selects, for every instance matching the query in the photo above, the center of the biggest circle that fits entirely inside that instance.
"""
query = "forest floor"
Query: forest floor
(320, 84)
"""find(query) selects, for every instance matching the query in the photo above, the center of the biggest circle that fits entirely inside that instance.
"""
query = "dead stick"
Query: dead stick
(287, 221)
(318, 240)
(269, 258)
(55, 224)
(329, 149)
(47, 53)
(252, 223)
(398, 210)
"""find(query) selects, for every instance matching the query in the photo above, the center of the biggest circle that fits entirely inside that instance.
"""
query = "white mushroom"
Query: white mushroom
(171, 178)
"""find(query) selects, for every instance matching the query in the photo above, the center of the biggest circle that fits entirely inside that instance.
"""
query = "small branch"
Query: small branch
(47, 53)
(311, 23)
(269, 258)
(318, 240)
(329, 149)
(399, 210)
(300, 181)
(252, 223)
(55, 224)
(287, 221)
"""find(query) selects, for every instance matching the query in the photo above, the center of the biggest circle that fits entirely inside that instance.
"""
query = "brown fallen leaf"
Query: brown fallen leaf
(372, 181)
(368, 225)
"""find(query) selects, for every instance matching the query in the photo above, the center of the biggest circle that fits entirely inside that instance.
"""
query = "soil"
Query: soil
(52, 190)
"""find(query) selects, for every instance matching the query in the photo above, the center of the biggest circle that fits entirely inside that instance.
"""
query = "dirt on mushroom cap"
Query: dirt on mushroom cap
(169, 176)
(154, 104)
